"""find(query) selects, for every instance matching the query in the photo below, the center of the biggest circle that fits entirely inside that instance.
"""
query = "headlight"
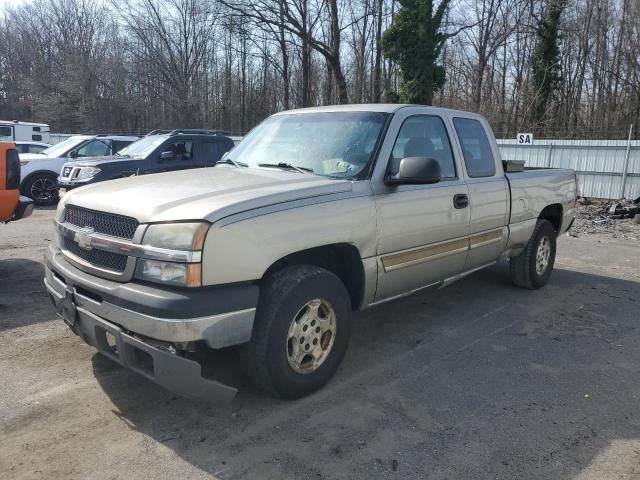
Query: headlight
(169, 239)
(176, 236)
(24, 162)
(87, 172)
(182, 274)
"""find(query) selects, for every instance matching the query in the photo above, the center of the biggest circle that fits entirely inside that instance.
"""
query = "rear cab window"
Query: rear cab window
(476, 149)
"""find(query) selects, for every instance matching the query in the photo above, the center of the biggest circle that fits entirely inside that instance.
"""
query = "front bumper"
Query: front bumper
(146, 321)
(64, 186)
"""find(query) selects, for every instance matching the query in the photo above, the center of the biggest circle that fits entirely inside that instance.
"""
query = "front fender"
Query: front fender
(243, 251)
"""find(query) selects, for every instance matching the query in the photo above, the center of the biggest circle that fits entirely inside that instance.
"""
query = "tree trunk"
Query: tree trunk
(377, 69)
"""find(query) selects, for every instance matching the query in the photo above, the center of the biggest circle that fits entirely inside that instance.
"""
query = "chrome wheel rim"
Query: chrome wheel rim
(43, 189)
(542, 255)
(311, 336)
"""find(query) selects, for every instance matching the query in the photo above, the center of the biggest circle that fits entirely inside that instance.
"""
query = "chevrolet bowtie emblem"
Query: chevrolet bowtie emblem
(83, 238)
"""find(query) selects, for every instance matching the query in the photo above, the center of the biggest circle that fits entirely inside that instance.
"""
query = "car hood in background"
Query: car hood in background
(32, 156)
(205, 193)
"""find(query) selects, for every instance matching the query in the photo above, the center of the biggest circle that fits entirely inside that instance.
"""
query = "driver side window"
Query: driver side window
(424, 136)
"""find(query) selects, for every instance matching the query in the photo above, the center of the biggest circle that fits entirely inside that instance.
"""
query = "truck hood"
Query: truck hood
(203, 193)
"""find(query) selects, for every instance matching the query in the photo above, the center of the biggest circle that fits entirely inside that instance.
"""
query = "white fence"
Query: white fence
(600, 164)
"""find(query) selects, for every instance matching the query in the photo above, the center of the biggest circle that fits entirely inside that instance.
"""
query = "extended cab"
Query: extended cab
(40, 170)
(177, 150)
(315, 214)
(12, 205)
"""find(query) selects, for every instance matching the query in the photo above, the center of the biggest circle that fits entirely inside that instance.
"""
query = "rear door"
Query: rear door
(488, 190)
(422, 233)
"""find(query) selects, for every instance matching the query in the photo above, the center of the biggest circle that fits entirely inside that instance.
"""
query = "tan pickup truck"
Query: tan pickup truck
(317, 213)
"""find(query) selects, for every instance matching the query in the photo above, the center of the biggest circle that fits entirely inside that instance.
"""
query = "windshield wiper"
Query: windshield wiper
(230, 161)
(287, 166)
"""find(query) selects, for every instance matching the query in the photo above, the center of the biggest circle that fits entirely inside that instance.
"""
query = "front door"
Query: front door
(422, 228)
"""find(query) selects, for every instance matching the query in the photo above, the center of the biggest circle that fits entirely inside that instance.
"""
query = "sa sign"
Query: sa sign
(525, 139)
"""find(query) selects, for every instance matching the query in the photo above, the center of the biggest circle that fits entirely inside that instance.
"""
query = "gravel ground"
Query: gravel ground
(478, 380)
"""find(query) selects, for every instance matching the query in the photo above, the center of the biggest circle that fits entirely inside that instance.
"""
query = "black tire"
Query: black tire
(42, 188)
(524, 271)
(282, 297)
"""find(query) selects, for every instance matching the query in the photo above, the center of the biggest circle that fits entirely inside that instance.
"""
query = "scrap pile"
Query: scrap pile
(607, 218)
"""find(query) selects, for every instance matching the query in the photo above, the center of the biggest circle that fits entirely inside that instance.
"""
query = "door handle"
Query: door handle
(460, 200)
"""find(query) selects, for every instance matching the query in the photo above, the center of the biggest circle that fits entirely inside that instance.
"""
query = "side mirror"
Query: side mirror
(416, 171)
(168, 155)
(73, 154)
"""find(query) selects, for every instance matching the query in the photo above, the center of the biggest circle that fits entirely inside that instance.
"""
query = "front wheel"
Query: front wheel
(42, 188)
(532, 268)
(301, 331)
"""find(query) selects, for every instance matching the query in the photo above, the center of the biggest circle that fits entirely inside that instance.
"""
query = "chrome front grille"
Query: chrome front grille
(101, 222)
(111, 261)
(82, 220)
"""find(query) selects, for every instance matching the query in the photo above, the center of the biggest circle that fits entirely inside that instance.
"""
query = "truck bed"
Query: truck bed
(534, 189)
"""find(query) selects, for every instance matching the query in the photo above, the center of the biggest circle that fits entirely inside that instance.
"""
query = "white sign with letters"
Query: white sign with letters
(525, 139)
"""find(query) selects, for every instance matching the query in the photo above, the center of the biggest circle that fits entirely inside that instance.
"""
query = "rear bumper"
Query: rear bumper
(14, 206)
(24, 208)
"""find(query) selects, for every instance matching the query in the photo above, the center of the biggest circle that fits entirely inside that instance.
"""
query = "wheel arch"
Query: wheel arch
(342, 259)
(553, 213)
(26, 179)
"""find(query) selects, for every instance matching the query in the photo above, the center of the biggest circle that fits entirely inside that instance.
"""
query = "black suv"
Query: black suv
(155, 153)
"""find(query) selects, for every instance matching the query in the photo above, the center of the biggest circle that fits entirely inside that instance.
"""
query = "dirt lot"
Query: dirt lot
(480, 380)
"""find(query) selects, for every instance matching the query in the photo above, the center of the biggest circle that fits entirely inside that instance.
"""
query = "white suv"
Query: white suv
(40, 170)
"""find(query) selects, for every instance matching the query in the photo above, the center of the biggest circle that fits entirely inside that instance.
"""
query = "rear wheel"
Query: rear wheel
(301, 331)
(42, 188)
(532, 268)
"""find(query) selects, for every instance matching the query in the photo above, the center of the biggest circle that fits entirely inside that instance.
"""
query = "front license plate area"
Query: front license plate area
(67, 309)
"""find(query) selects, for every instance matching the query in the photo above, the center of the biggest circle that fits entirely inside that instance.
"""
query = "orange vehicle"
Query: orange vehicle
(12, 205)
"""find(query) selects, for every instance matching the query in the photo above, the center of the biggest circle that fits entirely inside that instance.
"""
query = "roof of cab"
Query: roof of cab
(366, 107)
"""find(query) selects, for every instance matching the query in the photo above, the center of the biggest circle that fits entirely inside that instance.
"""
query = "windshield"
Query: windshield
(142, 147)
(61, 149)
(336, 144)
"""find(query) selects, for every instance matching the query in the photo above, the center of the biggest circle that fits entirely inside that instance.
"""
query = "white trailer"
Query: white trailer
(15, 131)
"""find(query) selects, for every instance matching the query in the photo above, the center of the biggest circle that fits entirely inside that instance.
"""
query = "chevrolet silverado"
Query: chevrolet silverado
(317, 213)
